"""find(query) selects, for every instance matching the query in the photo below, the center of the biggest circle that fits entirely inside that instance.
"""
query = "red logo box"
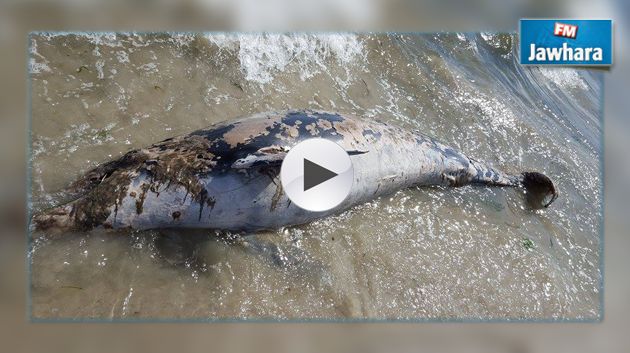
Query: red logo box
(565, 30)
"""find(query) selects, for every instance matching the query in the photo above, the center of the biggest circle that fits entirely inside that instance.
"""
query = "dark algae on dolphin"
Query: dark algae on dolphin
(226, 177)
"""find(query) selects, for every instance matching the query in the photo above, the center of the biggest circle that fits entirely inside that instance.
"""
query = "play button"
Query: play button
(317, 174)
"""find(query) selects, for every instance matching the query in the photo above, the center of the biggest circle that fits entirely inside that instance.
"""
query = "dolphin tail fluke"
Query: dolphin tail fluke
(539, 189)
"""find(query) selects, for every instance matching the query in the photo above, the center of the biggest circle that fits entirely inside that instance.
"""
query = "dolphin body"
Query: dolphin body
(226, 177)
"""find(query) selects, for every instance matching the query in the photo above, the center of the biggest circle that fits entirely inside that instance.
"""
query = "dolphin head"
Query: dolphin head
(58, 219)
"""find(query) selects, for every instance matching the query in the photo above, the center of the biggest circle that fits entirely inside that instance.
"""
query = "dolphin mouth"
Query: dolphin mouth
(539, 190)
(57, 219)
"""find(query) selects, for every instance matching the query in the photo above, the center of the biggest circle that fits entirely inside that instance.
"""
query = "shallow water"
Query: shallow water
(422, 253)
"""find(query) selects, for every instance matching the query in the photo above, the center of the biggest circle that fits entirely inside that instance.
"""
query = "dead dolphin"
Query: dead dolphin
(226, 177)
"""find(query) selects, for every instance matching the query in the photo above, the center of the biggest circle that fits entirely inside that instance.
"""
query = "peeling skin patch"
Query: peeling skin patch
(291, 131)
(324, 124)
(312, 129)
(242, 133)
(213, 133)
(271, 156)
(352, 134)
(272, 149)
